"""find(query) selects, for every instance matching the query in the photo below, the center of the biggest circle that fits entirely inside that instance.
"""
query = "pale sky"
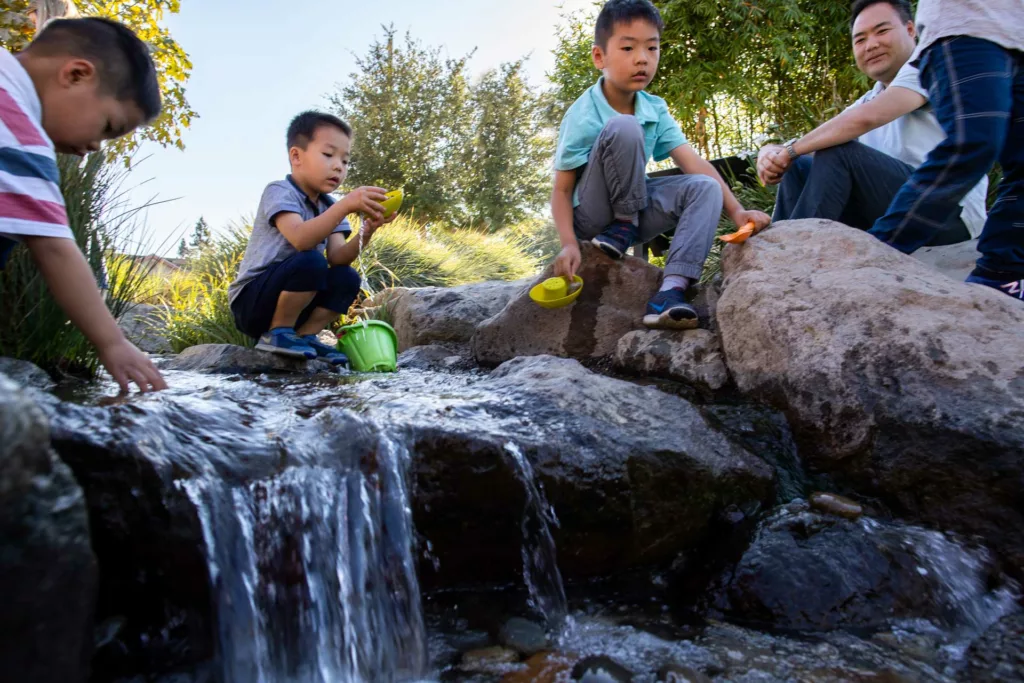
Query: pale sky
(258, 63)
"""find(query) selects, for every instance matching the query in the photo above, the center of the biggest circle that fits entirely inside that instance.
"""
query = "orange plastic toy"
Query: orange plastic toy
(740, 236)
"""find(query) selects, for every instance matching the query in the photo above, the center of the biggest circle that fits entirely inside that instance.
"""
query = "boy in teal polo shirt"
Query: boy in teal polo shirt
(601, 192)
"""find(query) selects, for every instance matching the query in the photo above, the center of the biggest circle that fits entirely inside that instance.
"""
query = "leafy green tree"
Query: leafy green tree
(509, 153)
(733, 70)
(145, 17)
(409, 108)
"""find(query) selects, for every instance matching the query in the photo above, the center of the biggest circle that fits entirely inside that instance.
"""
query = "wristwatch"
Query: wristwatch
(789, 149)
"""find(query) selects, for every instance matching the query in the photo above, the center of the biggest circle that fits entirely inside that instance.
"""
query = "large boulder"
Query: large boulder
(612, 303)
(230, 359)
(143, 325)
(898, 380)
(26, 374)
(439, 315)
(693, 357)
(955, 261)
(47, 567)
(810, 571)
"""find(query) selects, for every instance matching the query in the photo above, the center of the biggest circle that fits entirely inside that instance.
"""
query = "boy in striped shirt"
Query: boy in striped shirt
(80, 82)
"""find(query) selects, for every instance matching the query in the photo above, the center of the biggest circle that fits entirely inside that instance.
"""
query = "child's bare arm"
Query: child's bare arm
(73, 286)
(344, 253)
(568, 261)
(691, 162)
(305, 235)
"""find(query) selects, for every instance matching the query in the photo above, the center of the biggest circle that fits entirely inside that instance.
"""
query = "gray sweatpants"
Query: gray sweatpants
(614, 183)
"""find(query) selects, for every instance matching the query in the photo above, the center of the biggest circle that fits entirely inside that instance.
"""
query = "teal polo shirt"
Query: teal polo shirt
(587, 116)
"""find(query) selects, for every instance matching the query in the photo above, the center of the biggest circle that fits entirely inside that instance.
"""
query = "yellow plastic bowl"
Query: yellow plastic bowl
(554, 292)
(393, 203)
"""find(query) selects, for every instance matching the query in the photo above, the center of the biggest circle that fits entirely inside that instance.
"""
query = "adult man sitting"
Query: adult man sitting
(863, 156)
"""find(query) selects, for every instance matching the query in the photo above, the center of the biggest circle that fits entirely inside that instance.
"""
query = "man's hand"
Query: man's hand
(568, 261)
(772, 163)
(760, 219)
(367, 201)
(125, 363)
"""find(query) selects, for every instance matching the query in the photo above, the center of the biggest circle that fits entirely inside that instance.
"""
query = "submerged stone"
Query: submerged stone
(524, 636)
(833, 504)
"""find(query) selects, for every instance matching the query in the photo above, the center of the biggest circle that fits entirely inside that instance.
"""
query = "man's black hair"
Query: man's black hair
(304, 126)
(123, 63)
(902, 7)
(624, 11)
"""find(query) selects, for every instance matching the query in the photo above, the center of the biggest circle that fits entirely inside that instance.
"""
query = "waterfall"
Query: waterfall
(313, 574)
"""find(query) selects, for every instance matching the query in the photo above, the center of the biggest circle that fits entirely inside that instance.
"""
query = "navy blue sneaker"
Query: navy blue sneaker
(285, 342)
(668, 310)
(1007, 283)
(328, 353)
(617, 239)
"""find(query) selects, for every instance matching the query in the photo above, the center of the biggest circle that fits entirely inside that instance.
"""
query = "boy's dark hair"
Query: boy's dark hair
(123, 62)
(304, 126)
(624, 11)
(901, 6)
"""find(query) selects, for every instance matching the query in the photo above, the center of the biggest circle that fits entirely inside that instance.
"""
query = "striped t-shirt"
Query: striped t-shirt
(30, 198)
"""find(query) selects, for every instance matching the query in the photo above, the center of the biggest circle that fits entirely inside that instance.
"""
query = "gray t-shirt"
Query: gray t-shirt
(998, 21)
(267, 245)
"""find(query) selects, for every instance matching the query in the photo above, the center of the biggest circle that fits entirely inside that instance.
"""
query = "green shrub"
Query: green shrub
(754, 197)
(32, 326)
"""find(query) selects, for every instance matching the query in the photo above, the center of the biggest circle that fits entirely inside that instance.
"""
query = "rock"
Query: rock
(433, 357)
(807, 571)
(831, 504)
(26, 374)
(488, 659)
(628, 491)
(601, 669)
(47, 567)
(523, 636)
(546, 667)
(693, 357)
(615, 294)
(431, 315)
(143, 325)
(229, 359)
(900, 382)
(673, 673)
(998, 655)
(955, 261)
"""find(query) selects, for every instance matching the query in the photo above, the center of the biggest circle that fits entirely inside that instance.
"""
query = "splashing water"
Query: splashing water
(314, 575)
(540, 564)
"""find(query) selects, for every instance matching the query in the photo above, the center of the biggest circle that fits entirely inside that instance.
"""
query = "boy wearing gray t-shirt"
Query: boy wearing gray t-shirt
(296, 277)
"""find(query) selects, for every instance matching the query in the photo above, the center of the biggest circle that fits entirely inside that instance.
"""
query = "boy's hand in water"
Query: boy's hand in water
(568, 261)
(126, 364)
(367, 201)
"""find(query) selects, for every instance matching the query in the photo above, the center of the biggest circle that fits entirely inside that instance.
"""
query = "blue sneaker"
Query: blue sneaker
(285, 342)
(668, 310)
(1007, 283)
(328, 353)
(617, 238)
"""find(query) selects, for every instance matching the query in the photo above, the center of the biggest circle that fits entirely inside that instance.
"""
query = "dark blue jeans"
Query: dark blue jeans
(853, 184)
(977, 91)
(306, 271)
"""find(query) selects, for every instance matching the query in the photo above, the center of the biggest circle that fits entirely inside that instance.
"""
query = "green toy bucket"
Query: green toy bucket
(371, 346)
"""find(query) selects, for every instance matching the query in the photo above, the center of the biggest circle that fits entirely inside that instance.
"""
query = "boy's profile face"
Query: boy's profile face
(630, 59)
(324, 163)
(78, 114)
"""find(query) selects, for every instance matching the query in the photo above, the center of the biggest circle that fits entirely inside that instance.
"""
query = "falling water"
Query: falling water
(540, 564)
(313, 574)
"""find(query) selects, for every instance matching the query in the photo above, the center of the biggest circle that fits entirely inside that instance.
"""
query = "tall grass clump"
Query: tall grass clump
(32, 326)
(194, 308)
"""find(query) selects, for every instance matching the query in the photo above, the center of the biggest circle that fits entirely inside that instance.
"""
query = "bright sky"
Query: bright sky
(258, 63)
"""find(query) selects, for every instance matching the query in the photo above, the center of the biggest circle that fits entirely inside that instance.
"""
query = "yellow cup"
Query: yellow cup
(555, 288)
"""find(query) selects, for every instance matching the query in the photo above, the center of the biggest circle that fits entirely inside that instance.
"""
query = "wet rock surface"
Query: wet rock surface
(809, 571)
(692, 356)
(25, 374)
(434, 315)
(47, 567)
(524, 636)
(230, 360)
(612, 304)
(899, 381)
(998, 655)
(435, 357)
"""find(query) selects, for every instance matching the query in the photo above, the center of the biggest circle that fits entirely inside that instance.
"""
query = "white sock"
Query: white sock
(674, 282)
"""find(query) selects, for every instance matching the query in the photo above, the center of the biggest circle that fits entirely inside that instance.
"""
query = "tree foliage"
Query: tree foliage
(465, 153)
(145, 17)
(732, 70)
